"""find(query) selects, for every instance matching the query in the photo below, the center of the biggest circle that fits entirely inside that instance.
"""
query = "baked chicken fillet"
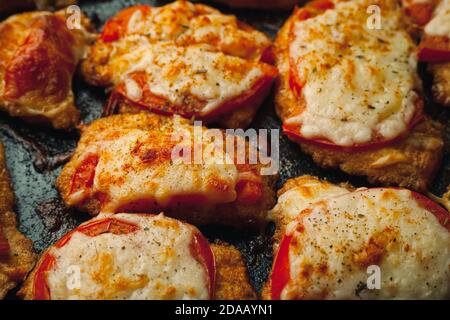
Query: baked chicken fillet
(149, 163)
(16, 5)
(182, 58)
(38, 58)
(261, 4)
(350, 96)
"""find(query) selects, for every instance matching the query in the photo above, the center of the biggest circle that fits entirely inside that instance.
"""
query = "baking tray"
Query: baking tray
(35, 155)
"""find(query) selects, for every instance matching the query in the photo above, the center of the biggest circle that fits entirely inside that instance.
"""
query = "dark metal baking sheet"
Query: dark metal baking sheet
(33, 155)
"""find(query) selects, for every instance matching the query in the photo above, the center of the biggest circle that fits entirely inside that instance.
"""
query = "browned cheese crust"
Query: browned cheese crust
(411, 162)
(15, 266)
(9, 6)
(237, 215)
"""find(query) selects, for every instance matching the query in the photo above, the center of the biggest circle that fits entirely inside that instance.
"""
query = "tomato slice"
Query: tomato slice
(201, 250)
(249, 190)
(434, 49)
(117, 26)
(84, 175)
(293, 132)
(280, 275)
(4, 245)
(93, 229)
(420, 13)
(294, 82)
(312, 9)
(159, 105)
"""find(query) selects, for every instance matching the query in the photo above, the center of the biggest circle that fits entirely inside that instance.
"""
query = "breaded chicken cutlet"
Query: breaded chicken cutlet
(334, 106)
(16, 251)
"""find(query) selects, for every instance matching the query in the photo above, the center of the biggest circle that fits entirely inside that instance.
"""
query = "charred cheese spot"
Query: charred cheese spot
(153, 262)
(335, 240)
(358, 82)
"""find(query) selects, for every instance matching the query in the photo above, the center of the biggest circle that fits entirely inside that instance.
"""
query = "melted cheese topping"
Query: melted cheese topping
(176, 73)
(337, 239)
(358, 83)
(407, 3)
(137, 164)
(440, 24)
(154, 262)
(307, 190)
(166, 22)
(189, 52)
